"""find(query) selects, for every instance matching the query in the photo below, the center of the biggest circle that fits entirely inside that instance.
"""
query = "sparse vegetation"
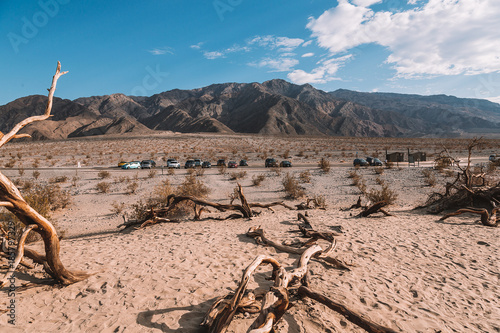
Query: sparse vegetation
(324, 165)
(103, 174)
(237, 175)
(103, 187)
(292, 187)
(258, 179)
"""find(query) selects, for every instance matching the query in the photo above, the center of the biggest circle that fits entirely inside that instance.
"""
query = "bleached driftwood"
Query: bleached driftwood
(487, 219)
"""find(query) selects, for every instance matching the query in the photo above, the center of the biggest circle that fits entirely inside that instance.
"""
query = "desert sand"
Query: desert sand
(410, 272)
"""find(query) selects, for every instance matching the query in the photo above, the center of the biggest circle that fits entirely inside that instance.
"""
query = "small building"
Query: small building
(395, 157)
(416, 157)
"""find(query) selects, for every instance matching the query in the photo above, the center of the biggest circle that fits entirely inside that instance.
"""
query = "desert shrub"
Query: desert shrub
(162, 191)
(152, 173)
(193, 187)
(132, 188)
(191, 171)
(324, 165)
(36, 174)
(103, 187)
(305, 176)
(199, 172)
(389, 164)
(59, 179)
(171, 171)
(117, 207)
(442, 161)
(237, 175)
(74, 181)
(353, 174)
(292, 187)
(429, 177)
(378, 170)
(222, 169)
(20, 171)
(258, 179)
(382, 194)
(42, 198)
(320, 201)
(103, 174)
(10, 164)
(276, 170)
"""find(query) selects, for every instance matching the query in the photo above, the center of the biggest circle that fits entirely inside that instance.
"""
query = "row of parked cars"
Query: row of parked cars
(198, 163)
(368, 161)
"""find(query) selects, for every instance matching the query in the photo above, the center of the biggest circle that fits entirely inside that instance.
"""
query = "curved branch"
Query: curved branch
(13, 133)
(19, 254)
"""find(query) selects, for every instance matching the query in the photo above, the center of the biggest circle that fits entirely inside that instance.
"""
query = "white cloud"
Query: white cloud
(442, 37)
(307, 55)
(222, 54)
(213, 54)
(367, 3)
(161, 51)
(197, 46)
(309, 42)
(283, 44)
(277, 65)
(322, 74)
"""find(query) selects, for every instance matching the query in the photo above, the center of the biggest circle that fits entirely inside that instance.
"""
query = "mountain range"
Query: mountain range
(274, 107)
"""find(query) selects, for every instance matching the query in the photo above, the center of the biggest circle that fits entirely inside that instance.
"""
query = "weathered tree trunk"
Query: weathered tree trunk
(11, 199)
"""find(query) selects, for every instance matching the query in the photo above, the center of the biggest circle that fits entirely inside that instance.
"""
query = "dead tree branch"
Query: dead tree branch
(11, 199)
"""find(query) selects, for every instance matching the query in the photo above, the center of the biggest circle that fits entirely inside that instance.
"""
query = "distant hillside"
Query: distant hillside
(275, 107)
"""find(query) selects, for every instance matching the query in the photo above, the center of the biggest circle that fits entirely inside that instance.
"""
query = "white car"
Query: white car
(172, 163)
(132, 165)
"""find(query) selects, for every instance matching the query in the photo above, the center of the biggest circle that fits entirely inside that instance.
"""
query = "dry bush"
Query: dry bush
(320, 201)
(118, 207)
(103, 174)
(162, 191)
(74, 181)
(292, 187)
(379, 170)
(442, 161)
(324, 165)
(191, 171)
(237, 175)
(171, 171)
(258, 179)
(193, 187)
(152, 173)
(276, 170)
(305, 176)
(132, 188)
(199, 172)
(389, 164)
(429, 177)
(42, 198)
(222, 169)
(20, 171)
(36, 174)
(103, 187)
(59, 179)
(382, 194)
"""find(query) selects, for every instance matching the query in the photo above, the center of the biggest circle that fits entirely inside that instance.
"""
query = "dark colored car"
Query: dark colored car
(286, 164)
(360, 162)
(197, 162)
(232, 164)
(221, 162)
(369, 159)
(243, 163)
(206, 165)
(271, 162)
(189, 164)
(148, 164)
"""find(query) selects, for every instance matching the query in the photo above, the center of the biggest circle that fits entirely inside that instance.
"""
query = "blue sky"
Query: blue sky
(146, 47)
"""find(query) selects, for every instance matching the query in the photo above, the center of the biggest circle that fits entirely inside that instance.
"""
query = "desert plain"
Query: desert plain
(409, 272)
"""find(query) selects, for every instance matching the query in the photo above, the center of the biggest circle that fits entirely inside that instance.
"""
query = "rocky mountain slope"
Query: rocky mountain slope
(272, 108)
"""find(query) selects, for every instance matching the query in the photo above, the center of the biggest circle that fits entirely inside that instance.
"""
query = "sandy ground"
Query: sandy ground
(412, 272)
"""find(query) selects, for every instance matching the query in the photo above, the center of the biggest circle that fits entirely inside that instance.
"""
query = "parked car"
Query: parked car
(197, 163)
(122, 163)
(148, 164)
(189, 164)
(232, 164)
(172, 163)
(206, 165)
(132, 165)
(286, 164)
(360, 162)
(271, 162)
(493, 158)
(221, 162)
(374, 161)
